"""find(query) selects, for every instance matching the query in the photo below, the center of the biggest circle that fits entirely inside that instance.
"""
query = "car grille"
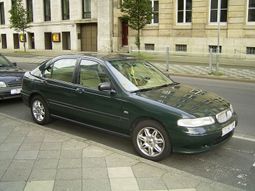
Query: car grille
(14, 84)
(224, 116)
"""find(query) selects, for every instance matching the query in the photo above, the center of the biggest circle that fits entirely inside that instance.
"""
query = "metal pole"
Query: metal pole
(218, 43)
(167, 59)
(210, 61)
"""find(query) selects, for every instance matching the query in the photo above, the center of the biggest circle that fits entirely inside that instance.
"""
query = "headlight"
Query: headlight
(197, 122)
(2, 85)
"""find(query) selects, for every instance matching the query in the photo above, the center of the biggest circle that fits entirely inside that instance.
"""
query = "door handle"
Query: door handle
(79, 90)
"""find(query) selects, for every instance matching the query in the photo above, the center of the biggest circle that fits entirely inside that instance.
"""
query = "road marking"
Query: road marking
(253, 165)
(243, 137)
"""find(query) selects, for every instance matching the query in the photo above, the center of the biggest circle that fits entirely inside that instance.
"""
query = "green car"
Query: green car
(129, 97)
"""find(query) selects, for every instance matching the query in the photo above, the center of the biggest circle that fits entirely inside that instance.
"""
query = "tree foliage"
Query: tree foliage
(19, 19)
(138, 13)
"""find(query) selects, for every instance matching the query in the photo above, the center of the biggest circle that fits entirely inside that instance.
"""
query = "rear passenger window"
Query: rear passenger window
(62, 70)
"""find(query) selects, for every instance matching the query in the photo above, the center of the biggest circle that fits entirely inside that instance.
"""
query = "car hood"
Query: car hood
(194, 101)
(11, 75)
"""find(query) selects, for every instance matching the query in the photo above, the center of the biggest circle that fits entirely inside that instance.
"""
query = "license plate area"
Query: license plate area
(15, 91)
(228, 128)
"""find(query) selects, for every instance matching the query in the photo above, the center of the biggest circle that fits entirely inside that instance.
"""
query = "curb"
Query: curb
(139, 159)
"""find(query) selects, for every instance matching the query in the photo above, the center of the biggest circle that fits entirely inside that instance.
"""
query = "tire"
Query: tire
(39, 110)
(151, 141)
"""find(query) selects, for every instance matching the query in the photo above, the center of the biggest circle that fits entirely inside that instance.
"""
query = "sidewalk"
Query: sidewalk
(235, 72)
(34, 158)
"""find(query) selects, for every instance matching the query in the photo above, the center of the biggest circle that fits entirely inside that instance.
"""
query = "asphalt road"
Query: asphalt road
(233, 163)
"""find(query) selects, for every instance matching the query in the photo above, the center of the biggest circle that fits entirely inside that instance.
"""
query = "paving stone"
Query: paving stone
(124, 184)
(68, 174)
(142, 170)
(94, 173)
(71, 154)
(12, 186)
(16, 175)
(95, 151)
(50, 146)
(9, 146)
(120, 172)
(7, 154)
(68, 185)
(74, 145)
(33, 139)
(53, 137)
(49, 154)
(69, 163)
(43, 174)
(117, 160)
(14, 139)
(30, 146)
(46, 163)
(36, 133)
(39, 186)
(21, 164)
(26, 155)
(175, 181)
(4, 164)
(90, 162)
(96, 185)
(151, 184)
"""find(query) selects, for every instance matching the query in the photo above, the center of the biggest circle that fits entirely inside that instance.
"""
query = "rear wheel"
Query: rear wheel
(39, 110)
(151, 140)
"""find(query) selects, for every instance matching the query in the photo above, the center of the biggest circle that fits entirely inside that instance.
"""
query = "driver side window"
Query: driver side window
(92, 74)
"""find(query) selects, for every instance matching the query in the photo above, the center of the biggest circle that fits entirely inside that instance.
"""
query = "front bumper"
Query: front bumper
(10, 92)
(204, 139)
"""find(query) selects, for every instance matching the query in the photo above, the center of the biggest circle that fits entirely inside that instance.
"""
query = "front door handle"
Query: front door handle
(79, 90)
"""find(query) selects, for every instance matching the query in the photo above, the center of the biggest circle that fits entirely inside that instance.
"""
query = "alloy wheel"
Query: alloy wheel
(150, 141)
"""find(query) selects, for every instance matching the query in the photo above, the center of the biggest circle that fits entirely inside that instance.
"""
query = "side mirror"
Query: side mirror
(14, 64)
(106, 86)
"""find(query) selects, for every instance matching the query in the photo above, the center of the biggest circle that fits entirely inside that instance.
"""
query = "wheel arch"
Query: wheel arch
(143, 118)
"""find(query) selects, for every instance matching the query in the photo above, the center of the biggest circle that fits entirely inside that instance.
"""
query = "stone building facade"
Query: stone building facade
(79, 25)
(97, 25)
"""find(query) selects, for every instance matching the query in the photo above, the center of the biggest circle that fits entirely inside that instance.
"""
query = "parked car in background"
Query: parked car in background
(10, 79)
(129, 97)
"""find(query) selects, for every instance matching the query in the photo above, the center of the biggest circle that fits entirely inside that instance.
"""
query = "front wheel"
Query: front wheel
(39, 110)
(151, 140)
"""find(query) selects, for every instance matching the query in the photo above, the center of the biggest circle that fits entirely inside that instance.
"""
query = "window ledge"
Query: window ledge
(151, 26)
(215, 26)
(182, 26)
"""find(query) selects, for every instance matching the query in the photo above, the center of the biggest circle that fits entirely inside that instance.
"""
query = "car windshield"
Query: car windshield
(137, 75)
(4, 62)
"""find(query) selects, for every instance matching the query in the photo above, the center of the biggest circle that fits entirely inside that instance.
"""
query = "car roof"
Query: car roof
(105, 57)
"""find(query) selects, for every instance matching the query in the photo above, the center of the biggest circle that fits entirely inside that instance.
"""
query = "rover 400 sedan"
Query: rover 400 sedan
(10, 79)
(129, 97)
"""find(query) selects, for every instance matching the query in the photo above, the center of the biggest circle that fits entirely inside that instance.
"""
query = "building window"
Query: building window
(213, 48)
(30, 10)
(4, 41)
(251, 11)
(250, 50)
(2, 18)
(223, 11)
(149, 46)
(86, 9)
(155, 11)
(65, 10)
(181, 48)
(47, 10)
(184, 11)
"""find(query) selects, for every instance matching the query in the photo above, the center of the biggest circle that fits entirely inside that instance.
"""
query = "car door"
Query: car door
(59, 89)
(98, 108)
